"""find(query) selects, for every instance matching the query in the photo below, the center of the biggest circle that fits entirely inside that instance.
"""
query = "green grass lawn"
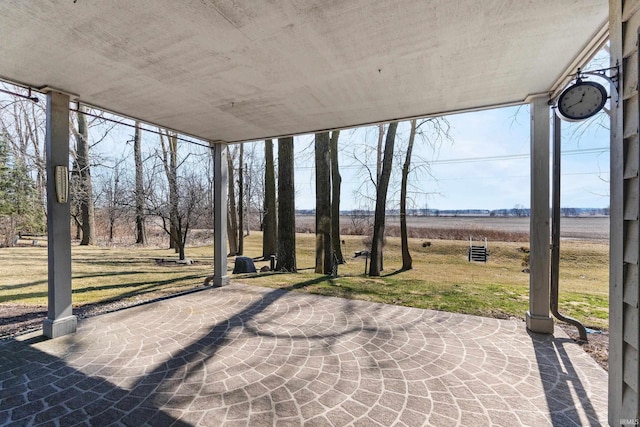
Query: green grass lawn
(99, 274)
(441, 279)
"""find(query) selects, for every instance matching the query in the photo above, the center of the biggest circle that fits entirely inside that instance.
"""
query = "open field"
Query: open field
(584, 228)
(442, 277)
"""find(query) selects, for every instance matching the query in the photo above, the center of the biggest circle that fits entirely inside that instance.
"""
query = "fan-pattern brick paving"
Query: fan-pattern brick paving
(247, 356)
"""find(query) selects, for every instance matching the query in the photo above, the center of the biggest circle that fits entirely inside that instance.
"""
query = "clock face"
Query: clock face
(581, 101)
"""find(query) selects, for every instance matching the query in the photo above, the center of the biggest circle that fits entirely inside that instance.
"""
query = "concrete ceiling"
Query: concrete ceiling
(241, 70)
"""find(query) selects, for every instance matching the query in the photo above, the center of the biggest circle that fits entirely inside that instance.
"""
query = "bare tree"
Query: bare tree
(254, 188)
(432, 131)
(336, 182)
(141, 231)
(381, 201)
(286, 207)
(379, 152)
(324, 246)
(241, 200)
(83, 170)
(189, 208)
(519, 210)
(180, 203)
(169, 146)
(232, 214)
(407, 261)
(113, 196)
(368, 158)
(186, 212)
(270, 225)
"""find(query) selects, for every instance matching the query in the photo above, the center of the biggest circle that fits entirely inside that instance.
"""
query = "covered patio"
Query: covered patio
(229, 72)
(246, 356)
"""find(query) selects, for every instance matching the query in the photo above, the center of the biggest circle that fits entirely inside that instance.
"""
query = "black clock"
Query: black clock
(581, 100)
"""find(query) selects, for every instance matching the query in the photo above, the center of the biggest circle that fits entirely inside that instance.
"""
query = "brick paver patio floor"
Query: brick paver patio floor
(248, 356)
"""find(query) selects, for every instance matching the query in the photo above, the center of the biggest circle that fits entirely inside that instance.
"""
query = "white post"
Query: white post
(220, 184)
(538, 319)
(60, 320)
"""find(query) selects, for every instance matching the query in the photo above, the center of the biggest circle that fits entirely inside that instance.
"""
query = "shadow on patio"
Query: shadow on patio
(243, 355)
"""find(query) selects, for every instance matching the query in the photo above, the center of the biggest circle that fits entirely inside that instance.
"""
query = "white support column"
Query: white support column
(538, 319)
(220, 185)
(60, 320)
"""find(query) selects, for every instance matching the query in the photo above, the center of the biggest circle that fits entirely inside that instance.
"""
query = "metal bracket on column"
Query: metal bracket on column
(611, 74)
(613, 77)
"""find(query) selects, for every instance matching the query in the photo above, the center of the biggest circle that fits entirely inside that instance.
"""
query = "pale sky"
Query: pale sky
(485, 166)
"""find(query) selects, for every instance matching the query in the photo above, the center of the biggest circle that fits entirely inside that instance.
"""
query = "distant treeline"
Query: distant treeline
(512, 212)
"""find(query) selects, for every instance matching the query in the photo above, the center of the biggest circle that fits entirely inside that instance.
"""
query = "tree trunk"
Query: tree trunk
(336, 182)
(173, 237)
(269, 227)
(78, 228)
(379, 153)
(87, 207)
(170, 162)
(112, 224)
(141, 231)
(407, 261)
(181, 239)
(247, 172)
(286, 207)
(324, 247)
(173, 191)
(381, 200)
(241, 201)
(232, 215)
(113, 194)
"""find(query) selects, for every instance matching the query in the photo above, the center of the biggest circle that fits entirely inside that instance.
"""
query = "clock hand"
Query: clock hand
(581, 98)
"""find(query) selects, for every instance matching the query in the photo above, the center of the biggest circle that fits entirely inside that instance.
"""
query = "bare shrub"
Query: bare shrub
(201, 237)
(305, 228)
(459, 233)
(361, 223)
